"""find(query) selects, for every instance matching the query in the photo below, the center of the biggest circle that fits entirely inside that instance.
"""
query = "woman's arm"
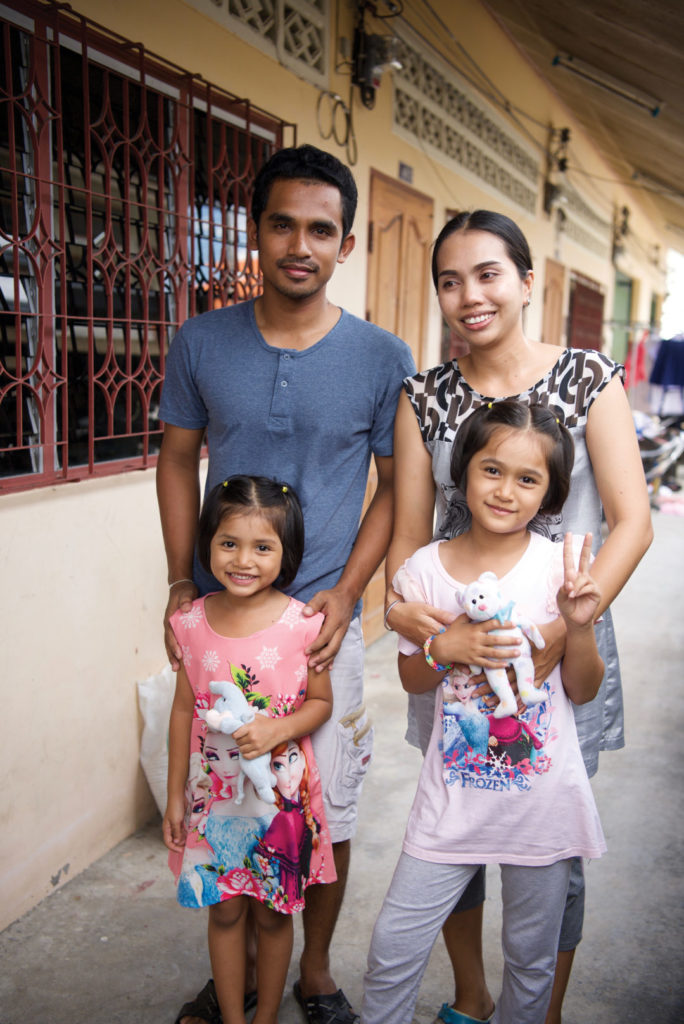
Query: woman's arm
(414, 489)
(618, 470)
(263, 733)
(414, 509)
(180, 725)
(416, 675)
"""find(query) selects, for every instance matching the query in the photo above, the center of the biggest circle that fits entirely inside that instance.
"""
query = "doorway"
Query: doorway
(585, 322)
(400, 234)
(622, 316)
(552, 320)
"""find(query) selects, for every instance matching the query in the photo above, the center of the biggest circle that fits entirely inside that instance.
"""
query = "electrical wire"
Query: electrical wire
(339, 123)
(342, 65)
(457, 203)
(665, 192)
(399, 5)
(494, 95)
(498, 99)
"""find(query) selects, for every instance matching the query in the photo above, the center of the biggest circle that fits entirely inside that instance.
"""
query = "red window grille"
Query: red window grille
(124, 189)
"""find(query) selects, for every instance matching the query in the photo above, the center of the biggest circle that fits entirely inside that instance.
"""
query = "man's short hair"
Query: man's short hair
(309, 163)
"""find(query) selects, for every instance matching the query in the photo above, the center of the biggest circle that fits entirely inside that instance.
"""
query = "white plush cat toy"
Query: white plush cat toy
(482, 600)
(231, 710)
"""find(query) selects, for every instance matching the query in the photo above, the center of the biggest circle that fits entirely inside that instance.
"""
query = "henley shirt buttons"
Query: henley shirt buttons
(283, 383)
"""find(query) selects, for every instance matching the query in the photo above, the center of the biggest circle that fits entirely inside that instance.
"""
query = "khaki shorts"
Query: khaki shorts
(344, 744)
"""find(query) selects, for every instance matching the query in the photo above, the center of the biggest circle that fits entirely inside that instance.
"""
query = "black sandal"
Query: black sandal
(327, 1009)
(205, 1005)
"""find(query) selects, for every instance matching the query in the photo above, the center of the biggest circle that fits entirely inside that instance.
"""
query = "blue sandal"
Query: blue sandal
(451, 1016)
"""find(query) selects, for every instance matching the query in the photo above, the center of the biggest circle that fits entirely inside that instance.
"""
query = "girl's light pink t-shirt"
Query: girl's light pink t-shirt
(506, 791)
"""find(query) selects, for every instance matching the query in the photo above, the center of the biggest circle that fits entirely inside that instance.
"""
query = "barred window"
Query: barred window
(124, 190)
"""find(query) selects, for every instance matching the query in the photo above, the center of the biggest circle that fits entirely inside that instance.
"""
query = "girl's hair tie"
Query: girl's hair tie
(284, 488)
(489, 405)
(557, 420)
(225, 483)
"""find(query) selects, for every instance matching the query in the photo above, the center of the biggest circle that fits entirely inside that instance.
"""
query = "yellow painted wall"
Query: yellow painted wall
(84, 578)
(82, 598)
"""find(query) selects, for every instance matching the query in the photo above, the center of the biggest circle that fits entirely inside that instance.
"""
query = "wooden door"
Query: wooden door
(399, 245)
(622, 316)
(585, 325)
(554, 285)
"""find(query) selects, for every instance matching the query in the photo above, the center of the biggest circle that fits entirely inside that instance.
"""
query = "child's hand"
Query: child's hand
(173, 825)
(474, 643)
(258, 737)
(579, 595)
(415, 620)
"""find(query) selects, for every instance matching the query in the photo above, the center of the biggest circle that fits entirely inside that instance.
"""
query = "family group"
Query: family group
(495, 473)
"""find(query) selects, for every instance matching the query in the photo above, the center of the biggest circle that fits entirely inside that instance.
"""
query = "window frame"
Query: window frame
(40, 386)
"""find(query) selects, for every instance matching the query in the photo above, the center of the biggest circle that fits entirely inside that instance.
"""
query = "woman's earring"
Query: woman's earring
(526, 303)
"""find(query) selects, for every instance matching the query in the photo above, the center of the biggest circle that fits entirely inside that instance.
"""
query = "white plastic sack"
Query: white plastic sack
(155, 696)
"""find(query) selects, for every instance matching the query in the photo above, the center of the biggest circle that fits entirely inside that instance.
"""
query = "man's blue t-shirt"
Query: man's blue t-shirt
(309, 418)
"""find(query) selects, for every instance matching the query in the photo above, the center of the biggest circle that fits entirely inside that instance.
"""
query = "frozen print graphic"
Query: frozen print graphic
(479, 749)
(285, 851)
(477, 745)
(271, 851)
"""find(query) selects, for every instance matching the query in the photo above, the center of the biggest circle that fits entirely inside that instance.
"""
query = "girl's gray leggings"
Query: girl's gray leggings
(420, 898)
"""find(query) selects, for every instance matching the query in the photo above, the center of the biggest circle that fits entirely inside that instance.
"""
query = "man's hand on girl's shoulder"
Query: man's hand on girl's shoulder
(181, 595)
(337, 605)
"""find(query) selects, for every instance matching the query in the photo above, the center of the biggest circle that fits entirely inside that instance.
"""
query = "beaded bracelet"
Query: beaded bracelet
(431, 661)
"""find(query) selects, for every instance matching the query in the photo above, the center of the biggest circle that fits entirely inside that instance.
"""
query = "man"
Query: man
(293, 387)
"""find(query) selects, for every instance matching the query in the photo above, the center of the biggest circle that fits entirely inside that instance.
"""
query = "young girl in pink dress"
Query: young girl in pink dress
(509, 790)
(251, 537)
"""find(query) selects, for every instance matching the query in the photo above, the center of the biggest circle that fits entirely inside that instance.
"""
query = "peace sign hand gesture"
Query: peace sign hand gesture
(579, 595)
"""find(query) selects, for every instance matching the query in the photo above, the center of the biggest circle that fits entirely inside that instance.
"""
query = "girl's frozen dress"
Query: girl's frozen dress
(269, 851)
(289, 842)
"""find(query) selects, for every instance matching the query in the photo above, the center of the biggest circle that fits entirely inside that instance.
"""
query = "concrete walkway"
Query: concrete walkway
(113, 947)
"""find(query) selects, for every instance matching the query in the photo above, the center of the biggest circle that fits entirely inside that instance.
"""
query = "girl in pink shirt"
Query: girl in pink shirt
(235, 844)
(506, 787)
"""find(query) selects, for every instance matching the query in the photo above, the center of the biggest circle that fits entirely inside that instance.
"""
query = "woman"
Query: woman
(482, 270)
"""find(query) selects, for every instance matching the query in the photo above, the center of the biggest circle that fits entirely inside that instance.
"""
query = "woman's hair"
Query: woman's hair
(307, 163)
(304, 796)
(475, 433)
(275, 501)
(496, 224)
